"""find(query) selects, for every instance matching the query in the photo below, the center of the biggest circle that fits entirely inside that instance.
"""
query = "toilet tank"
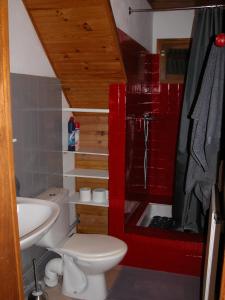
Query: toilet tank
(60, 229)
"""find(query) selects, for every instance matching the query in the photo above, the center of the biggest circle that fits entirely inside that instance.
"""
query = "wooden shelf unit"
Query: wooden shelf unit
(86, 110)
(87, 173)
(93, 219)
(76, 200)
(89, 151)
(91, 167)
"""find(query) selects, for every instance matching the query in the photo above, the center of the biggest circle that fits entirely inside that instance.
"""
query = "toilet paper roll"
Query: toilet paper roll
(85, 194)
(99, 195)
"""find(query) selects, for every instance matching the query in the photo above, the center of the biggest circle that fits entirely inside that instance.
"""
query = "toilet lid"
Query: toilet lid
(93, 245)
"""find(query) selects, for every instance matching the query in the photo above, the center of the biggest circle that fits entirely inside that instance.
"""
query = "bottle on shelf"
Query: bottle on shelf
(71, 134)
(77, 136)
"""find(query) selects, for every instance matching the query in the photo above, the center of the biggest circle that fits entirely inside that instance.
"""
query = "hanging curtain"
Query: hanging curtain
(208, 22)
(205, 140)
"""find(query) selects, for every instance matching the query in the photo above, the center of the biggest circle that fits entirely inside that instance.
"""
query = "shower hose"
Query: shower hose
(147, 119)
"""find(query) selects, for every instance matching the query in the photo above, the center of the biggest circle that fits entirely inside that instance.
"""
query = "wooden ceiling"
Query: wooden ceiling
(80, 40)
(165, 4)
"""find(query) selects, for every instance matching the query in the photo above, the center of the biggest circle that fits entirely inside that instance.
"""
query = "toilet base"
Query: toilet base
(96, 289)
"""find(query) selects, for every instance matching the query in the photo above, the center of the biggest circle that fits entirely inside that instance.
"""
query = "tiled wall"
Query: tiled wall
(170, 251)
(163, 102)
(37, 126)
(133, 55)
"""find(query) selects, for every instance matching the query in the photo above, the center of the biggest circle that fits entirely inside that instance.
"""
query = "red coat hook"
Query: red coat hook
(220, 40)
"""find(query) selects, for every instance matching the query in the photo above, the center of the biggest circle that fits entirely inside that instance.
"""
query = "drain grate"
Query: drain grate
(163, 222)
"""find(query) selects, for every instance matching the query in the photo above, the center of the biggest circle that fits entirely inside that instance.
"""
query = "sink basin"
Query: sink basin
(35, 218)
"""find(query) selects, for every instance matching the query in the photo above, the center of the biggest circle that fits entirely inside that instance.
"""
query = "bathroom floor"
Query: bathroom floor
(125, 283)
(111, 276)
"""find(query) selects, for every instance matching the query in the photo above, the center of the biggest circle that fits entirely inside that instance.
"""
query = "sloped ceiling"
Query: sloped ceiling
(80, 40)
(164, 4)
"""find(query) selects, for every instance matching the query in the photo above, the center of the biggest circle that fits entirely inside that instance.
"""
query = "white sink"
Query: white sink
(35, 218)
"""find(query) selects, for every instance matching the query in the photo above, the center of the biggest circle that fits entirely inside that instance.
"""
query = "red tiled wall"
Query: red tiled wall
(147, 248)
(169, 251)
(163, 103)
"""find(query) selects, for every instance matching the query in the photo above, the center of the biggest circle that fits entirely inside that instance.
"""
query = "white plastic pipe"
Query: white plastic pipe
(53, 269)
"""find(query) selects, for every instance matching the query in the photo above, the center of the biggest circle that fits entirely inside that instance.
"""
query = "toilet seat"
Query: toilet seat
(92, 246)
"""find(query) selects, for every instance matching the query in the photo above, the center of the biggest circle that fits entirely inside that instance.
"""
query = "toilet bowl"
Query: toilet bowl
(84, 257)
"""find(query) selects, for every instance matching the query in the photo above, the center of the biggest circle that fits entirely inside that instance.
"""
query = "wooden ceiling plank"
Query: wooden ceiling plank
(51, 38)
(43, 4)
(80, 40)
(67, 57)
(110, 78)
(66, 17)
(100, 46)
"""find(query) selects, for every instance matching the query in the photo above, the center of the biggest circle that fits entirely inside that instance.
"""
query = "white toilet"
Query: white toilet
(84, 257)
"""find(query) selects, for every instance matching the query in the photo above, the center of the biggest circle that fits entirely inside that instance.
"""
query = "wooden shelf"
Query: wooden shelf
(89, 151)
(87, 173)
(75, 198)
(86, 110)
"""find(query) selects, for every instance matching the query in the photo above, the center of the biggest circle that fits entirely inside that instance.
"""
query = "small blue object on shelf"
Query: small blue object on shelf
(71, 134)
(77, 136)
